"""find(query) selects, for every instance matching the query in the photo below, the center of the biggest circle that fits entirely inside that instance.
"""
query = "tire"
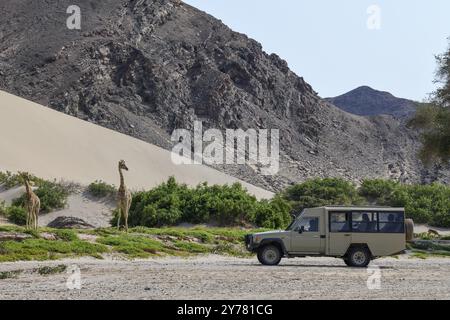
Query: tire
(347, 262)
(409, 229)
(269, 255)
(358, 257)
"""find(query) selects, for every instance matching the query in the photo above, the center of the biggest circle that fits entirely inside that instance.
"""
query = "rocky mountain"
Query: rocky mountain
(147, 67)
(365, 101)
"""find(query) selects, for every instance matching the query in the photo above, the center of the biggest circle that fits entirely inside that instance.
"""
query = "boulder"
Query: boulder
(69, 223)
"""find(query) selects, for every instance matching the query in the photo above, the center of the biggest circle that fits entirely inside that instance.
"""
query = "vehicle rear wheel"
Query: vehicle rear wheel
(409, 229)
(358, 257)
(347, 262)
(269, 255)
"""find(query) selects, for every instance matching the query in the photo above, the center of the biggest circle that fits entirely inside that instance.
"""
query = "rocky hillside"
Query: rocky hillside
(147, 67)
(366, 101)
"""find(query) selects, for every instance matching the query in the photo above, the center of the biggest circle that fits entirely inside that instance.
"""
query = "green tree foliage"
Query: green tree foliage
(424, 203)
(321, 192)
(434, 118)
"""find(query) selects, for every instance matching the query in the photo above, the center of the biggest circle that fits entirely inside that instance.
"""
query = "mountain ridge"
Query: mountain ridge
(366, 101)
(145, 68)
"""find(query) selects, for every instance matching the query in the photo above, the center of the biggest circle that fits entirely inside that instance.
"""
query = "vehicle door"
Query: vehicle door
(308, 235)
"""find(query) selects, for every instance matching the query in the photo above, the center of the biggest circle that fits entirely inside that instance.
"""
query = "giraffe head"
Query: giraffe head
(122, 165)
(25, 177)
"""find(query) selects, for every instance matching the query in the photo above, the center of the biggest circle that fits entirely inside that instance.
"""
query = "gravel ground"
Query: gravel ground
(217, 277)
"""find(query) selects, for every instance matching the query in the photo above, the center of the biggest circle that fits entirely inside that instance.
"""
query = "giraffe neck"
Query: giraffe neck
(28, 188)
(122, 182)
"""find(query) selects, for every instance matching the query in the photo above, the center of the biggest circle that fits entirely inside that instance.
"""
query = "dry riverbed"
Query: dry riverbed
(219, 277)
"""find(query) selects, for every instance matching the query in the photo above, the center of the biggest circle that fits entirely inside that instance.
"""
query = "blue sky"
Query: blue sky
(329, 43)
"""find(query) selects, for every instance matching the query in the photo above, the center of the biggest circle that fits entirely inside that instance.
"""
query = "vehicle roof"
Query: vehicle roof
(379, 208)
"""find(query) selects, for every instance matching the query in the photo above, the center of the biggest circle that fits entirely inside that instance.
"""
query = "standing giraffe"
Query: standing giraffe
(33, 204)
(123, 197)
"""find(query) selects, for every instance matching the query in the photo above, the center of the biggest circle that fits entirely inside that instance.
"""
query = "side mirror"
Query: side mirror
(302, 229)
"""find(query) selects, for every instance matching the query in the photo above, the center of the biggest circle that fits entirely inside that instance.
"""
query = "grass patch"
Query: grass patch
(10, 274)
(66, 235)
(133, 246)
(41, 249)
(140, 242)
(46, 270)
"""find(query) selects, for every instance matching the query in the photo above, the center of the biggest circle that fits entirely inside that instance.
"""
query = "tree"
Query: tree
(433, 118)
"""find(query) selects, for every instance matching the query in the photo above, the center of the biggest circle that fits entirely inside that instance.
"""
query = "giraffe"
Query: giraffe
(123, 197)
(33, 203)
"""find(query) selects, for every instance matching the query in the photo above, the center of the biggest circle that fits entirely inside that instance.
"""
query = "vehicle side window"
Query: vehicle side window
(339, 222)
(309, 224)
(391, 222)
(364, 222)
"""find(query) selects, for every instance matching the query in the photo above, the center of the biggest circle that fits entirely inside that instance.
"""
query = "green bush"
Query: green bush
(101, 189)
(172, 203)
(53, 196)
(17, 215)
(379, 191)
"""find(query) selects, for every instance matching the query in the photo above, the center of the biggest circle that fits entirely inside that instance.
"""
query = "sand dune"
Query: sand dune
(53, 145)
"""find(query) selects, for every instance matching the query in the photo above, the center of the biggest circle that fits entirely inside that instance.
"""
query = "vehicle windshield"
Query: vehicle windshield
(293, 222)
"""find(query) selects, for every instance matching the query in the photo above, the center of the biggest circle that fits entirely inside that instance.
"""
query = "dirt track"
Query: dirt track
(216, 277)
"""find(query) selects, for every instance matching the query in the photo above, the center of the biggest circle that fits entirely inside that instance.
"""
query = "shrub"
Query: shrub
(17, 215)
(172, 203)
(101, 189)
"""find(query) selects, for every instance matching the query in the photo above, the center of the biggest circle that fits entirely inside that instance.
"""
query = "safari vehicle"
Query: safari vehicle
(355, 234)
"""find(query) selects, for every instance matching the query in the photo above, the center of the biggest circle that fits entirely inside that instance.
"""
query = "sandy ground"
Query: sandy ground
(215, 277)
(53, 145)
(97, 212)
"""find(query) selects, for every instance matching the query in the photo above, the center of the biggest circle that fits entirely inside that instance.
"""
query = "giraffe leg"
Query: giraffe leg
(33, 218)
(38, 208)
(126, 214)
(118, 219)
(126, 221)
(36, 218)
(28, 216)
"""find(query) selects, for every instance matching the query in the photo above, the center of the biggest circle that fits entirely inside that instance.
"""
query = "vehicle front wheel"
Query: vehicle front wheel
(269, 255)
(358, 257)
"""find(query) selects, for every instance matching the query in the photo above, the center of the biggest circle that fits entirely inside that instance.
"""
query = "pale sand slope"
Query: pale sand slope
(97, 212)
(53, 145)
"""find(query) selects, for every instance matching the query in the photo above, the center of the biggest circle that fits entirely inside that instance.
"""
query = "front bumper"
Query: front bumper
(249, 244)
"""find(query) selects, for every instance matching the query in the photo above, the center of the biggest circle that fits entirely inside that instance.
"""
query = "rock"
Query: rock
(48, 236)
(69, 223)
(14, 236)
